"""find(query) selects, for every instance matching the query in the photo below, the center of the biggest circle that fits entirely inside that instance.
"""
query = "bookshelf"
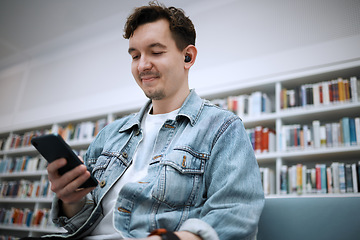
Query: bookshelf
(274, 118)
(25, 195)
(282, 119)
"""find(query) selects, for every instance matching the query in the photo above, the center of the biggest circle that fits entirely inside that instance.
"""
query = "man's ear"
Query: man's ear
(190, 53)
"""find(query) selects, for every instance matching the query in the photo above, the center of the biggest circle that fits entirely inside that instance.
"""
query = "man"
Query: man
(180, 168)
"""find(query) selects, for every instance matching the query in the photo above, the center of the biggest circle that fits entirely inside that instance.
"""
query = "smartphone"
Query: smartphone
(52, 147)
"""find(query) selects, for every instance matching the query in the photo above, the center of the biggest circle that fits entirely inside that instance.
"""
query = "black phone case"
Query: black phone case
(52, 147)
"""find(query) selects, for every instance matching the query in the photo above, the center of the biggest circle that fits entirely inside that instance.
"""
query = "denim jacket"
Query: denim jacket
(203, 177)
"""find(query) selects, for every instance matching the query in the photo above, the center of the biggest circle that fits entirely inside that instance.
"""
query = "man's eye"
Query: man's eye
(158, 53)
(135, 57)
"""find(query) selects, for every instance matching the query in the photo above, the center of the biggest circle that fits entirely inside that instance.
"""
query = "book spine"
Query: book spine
(342, 180)
(354, 89)
(284, 180)
(345, 125)
(357, 130)
(299, 180)
(349, 178)
(316, 133)
(355, 177)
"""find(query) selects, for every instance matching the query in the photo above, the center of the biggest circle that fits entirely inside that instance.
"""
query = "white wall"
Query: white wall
(239, 43)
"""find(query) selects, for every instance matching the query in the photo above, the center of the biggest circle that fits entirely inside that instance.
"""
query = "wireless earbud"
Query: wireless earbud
(187, 59)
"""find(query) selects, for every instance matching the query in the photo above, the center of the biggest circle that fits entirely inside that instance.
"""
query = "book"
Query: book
(307, 137)
(325, 93)
(299, 178)
(349, 178)
(283, 98)
(265, 103)
(355, 177)
(255, 101)
(316, 133)
(358, 173)
(268, 180)
(329, 179)
(292, 179)
(265, 140)
(309, 184)
(342, 179)
(321, 184)
(290, 98)
(258, 139)
(232, 104)
(243, 105)
(341, 89)
(328, 135)
(303, 95)
(355, 89)
(357, 130)
(316, 95)
(347, 90)
(284, 179)
(345, 126)
(323, 142)
(336, 136)
(352, 132)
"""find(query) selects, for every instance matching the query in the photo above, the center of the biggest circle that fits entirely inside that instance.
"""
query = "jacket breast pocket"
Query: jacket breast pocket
(102, 164)
(180, 177)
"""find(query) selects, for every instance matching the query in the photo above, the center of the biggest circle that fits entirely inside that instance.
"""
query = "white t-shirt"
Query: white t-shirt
(151, 125)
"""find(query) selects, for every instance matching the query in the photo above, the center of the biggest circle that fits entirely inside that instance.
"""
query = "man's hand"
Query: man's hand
(66, 186)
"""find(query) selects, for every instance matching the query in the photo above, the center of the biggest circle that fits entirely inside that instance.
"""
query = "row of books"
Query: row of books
(6, 237)
(22, 164)
(251, 105)
(80, 131)
(25, 189)
(336, 178)
(345, 132)
(14, 140)
(263, 139)
(321, 93)
(26, 217)
(268, 180)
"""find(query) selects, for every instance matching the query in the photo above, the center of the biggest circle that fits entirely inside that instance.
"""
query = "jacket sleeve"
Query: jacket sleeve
(234, 197)
(74, 223)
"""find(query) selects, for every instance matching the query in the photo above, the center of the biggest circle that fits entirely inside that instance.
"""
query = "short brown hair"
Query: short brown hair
(181, 27)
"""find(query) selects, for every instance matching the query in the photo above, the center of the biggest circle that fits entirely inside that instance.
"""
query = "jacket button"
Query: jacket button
(124, 154)
(102, 183)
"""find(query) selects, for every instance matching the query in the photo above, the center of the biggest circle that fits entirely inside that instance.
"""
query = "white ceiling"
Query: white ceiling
(32, 27)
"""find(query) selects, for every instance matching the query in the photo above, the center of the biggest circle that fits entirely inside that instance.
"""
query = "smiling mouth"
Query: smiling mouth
(148, 79)
(148, 76)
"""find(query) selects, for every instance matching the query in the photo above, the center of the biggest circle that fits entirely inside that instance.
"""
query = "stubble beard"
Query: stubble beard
(155, 95)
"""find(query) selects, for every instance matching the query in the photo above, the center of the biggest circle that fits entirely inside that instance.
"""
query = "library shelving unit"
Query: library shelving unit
(276, 118)
(25, 195)
(281, 118)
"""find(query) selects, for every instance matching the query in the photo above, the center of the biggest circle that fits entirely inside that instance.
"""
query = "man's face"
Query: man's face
(157, 64)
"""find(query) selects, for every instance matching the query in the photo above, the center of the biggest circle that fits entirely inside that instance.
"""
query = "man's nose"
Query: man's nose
(144, 64)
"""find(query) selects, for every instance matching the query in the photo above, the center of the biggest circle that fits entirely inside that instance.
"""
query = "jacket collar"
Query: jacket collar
(190, 109)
